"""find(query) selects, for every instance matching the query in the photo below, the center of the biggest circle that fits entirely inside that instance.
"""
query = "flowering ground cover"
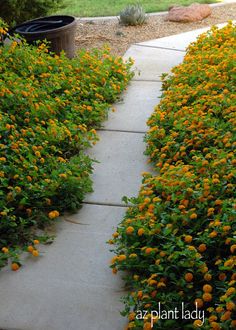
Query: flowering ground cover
(49, 109)
(177, 241)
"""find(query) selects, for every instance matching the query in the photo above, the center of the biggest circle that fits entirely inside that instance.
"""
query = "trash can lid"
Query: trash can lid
(44, 24)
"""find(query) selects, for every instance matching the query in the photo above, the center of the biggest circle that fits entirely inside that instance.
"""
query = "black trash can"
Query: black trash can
(58, 29)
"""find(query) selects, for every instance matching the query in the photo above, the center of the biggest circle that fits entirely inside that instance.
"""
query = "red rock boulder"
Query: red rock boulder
(194, 12)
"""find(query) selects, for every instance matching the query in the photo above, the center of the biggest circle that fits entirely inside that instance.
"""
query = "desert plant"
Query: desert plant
(133, 15)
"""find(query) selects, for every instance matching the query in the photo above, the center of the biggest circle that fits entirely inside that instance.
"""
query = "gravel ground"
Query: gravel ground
(96, 33)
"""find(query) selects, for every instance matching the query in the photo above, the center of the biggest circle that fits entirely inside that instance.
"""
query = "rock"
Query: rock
(194, 12)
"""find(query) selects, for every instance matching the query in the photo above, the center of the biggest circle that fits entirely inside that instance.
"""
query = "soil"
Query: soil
(94, 33)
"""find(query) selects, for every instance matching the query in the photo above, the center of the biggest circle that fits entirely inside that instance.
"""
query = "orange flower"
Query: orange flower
(148, 250)
(141, 231)
(161, 284)
(230, 291)
(213, 234)
(53, 214)
(185, 202)
(5, 250)
(222, 276)
(215, 326)
(207, 288)
(188, 238)
(202, 248)
(233, 277)
(15, 266)
(37, 154)
(230, 305)
(229, 263)
(188, 277)
(140, 294)
(63, 175)
(219, 309)
(147, 326)
(207, 277)
(30, 248)
(115, 235)
(233, 248)
(207, 297)
(129, 230)
(35, 253)
(131, 316)
(197, 323)
(121, 257)
(226, 316)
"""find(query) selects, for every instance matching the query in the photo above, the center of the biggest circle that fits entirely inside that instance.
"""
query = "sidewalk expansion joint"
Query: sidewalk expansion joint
(147, 80)
(74, 222)
(159, 47)
(119, 131)
(107, 204)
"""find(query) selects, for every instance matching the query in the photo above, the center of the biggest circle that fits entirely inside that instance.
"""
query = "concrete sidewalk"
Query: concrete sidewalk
(70, 287)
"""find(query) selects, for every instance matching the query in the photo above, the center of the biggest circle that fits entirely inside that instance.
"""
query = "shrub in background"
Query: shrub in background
(133, 15)
(49, 107)
(15, 11)
(178, 240)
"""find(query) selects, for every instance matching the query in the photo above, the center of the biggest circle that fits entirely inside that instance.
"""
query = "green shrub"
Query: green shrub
(178, 239)
(49, 109)
(14, 11)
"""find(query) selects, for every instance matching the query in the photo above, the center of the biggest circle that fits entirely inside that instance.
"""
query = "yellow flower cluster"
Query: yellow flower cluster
(182, 225)
(49, 108)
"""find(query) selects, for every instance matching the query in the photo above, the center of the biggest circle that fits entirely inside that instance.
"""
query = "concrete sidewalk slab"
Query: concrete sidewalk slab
(62, 305)
(135, 107)
(70, 286)
(179, 41)
(119, 172)
(151, 62)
